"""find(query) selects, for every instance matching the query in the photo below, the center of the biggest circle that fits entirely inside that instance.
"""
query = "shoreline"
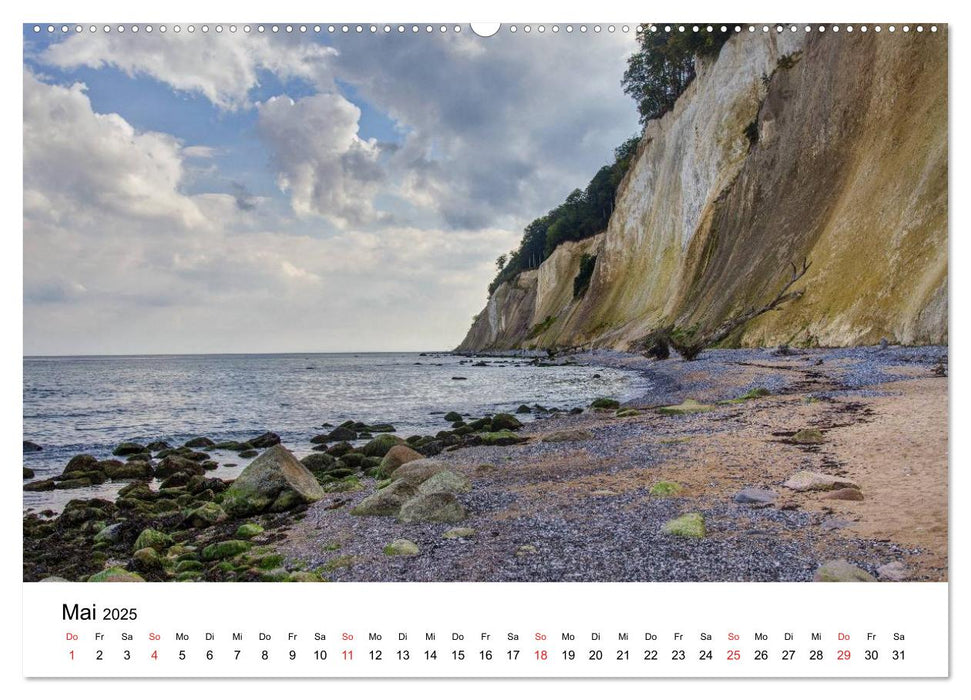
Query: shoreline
(583, 509)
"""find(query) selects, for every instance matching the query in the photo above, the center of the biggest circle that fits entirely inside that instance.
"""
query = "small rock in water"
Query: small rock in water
(31, 446)
(816, 481)
(265, 440)
(459, 379)
(841, 571)
(753, 495)
(894, 571)
(401, 548)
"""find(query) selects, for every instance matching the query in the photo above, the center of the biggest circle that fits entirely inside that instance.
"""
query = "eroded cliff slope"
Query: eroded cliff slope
(830, 148)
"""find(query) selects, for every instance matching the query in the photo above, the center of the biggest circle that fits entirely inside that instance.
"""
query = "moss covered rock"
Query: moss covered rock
(688, 525)
(225, 549)
(446, 482)
(401, 548)
(841, 571)
(248, 530)
(452, 416)
(502, 437)
(605, 403)
(664, 489)
(395, 457)
(417, 471)
(432, 507)
(115, 574)
(207, 514)
(505, 421)
(808, 436)
(275, 481)
(627, 413)
(459, 533)
(381, 445)
(152, 538)
(387, 501)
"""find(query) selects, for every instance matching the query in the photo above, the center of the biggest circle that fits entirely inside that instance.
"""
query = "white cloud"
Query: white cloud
(223, 67)
(323, 164)
(118, 257)
(75, 158)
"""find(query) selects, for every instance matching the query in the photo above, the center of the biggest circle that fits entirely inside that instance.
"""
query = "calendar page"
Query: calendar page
(514, 350)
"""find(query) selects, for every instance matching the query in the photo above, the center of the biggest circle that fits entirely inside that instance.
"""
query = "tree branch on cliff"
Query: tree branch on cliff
(689, 344)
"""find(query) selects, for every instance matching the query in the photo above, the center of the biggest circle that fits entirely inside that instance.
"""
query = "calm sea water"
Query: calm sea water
(90, 404)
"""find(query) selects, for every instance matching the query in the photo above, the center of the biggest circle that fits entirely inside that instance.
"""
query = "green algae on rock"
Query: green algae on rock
(663, 489)
(275, 481)
(688, 525)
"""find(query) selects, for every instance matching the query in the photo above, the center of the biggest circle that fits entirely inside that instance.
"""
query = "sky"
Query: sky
(208, 193)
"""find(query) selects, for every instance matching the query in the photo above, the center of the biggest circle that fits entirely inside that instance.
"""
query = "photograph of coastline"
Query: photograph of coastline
(633, 303)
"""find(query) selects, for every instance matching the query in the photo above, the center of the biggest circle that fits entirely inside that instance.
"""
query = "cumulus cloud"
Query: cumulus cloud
(223, 67)
(322, 163)
(75, 157)
(123, 253)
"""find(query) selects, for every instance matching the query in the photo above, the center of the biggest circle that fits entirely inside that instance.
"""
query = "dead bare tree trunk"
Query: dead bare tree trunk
(690, 345)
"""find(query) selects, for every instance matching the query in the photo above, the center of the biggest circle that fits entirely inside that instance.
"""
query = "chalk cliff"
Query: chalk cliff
(830, 148)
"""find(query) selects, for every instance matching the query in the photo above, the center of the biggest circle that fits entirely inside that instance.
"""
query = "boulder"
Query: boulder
(605, 403)
(81, 463)
(42, 485)
(225, 549)
(135, 469)
(452, 416)
(894, 571)
(111, 534)
(505, 421)
(146, 561)
(158, 446)
(114, 574)
(523, 408)
(265, 440)
(381, 445)
(28, 473)
(446, 482)
(753, 495)
(152, 538)
(432, 507)
(128, 448)
(688, 525)
(248, 530)
(841, 571)
(401, 548)
(319, 462)
(172, 464)
(395, 457)
(386, 501)
(31, 446)
(459, 533)
(501, 437)
(816, 481)
(575, 435)
(275, 481)
(341, 433)
(205, 515)
(200, 442)
(417, 471)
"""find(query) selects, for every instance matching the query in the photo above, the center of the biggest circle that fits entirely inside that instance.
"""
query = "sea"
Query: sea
(75, 405)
